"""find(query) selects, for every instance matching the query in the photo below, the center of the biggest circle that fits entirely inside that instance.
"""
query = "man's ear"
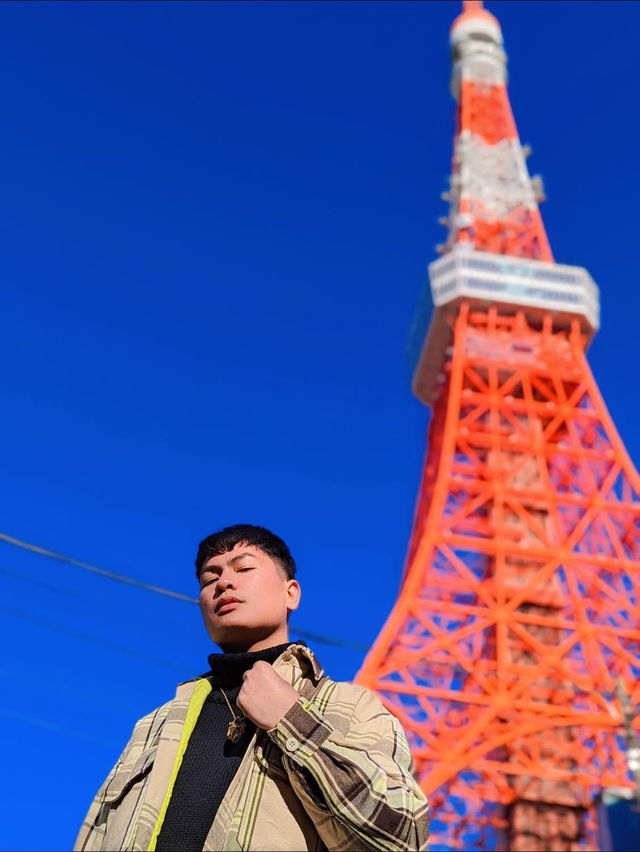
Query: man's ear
(293, 594)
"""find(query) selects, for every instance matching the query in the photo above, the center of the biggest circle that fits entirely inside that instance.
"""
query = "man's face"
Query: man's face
(245, 598)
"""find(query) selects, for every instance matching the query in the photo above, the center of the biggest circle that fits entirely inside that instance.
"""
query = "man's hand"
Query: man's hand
(265, 697)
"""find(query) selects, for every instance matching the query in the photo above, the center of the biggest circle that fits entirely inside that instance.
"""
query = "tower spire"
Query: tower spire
(473, 6)
(493, 213)
(493, 200)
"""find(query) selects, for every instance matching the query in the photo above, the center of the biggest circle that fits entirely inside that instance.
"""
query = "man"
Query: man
(264, 751)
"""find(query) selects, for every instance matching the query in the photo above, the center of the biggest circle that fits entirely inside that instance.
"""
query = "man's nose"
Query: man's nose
(226, 580)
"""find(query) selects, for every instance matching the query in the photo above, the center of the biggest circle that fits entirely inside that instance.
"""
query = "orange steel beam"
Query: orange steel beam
(520, 602)
(520, 605)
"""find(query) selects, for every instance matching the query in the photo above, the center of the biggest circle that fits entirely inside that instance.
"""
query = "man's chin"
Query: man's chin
(238, 637)
(232, 633)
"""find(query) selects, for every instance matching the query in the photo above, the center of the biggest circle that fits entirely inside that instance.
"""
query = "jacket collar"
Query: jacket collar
(296, 656)
(302, 657)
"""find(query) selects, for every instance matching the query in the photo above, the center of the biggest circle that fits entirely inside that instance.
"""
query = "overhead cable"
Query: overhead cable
(110, 575)
(58, 729)
(327, 640)
(159, 590)
(96, 640)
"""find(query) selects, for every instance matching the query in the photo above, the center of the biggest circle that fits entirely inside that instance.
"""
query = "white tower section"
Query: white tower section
(497, 252)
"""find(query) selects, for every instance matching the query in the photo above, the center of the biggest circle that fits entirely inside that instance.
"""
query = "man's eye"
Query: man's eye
(248, 568)
(208, 582)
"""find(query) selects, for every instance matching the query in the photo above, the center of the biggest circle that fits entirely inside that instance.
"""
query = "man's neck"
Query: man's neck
(279, 637)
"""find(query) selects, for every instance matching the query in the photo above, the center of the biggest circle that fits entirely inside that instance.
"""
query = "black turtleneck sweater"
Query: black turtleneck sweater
(210, 760)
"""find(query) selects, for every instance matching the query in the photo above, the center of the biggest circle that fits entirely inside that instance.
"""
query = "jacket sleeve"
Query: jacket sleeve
(92, 830)
(356, 783)
(133, 763)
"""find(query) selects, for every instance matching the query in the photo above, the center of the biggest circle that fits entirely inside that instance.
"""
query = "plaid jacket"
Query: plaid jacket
(335, 773)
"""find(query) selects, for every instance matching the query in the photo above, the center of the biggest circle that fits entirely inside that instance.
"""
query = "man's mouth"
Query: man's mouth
(226, 605)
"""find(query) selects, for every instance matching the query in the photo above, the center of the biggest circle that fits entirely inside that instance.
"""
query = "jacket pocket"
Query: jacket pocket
(127, 776)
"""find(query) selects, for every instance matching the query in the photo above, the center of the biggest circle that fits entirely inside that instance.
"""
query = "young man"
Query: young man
(264, 751)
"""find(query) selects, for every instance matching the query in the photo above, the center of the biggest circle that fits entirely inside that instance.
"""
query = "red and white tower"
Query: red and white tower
(517, 627)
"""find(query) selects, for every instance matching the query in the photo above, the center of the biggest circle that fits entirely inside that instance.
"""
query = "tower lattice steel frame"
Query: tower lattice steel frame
(520, 605)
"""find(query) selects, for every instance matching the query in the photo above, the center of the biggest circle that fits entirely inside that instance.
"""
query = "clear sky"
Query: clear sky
(215, 222)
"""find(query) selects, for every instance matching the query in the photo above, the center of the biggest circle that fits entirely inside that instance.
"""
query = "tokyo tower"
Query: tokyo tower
(512, 654)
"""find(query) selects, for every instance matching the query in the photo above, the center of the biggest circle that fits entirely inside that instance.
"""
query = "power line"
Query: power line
(51, 726)
(63, 590)
(110, 575)
(328, 640)
(158, 590)
(105, 698)
(96, 640)
(42, 584)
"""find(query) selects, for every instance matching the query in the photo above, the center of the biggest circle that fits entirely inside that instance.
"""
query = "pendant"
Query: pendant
(236, 729)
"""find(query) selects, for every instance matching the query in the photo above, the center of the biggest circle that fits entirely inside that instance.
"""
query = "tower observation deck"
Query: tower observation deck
(516, 632)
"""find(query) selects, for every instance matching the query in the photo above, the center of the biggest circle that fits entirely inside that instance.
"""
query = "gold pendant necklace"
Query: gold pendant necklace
(238, 725)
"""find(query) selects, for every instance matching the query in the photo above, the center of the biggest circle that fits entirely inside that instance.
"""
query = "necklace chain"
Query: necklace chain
(238, 725)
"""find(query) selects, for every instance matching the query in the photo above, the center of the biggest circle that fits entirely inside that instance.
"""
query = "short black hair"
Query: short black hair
(260, 537)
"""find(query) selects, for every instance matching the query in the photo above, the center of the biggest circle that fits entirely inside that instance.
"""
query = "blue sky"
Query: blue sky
(216, 220)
